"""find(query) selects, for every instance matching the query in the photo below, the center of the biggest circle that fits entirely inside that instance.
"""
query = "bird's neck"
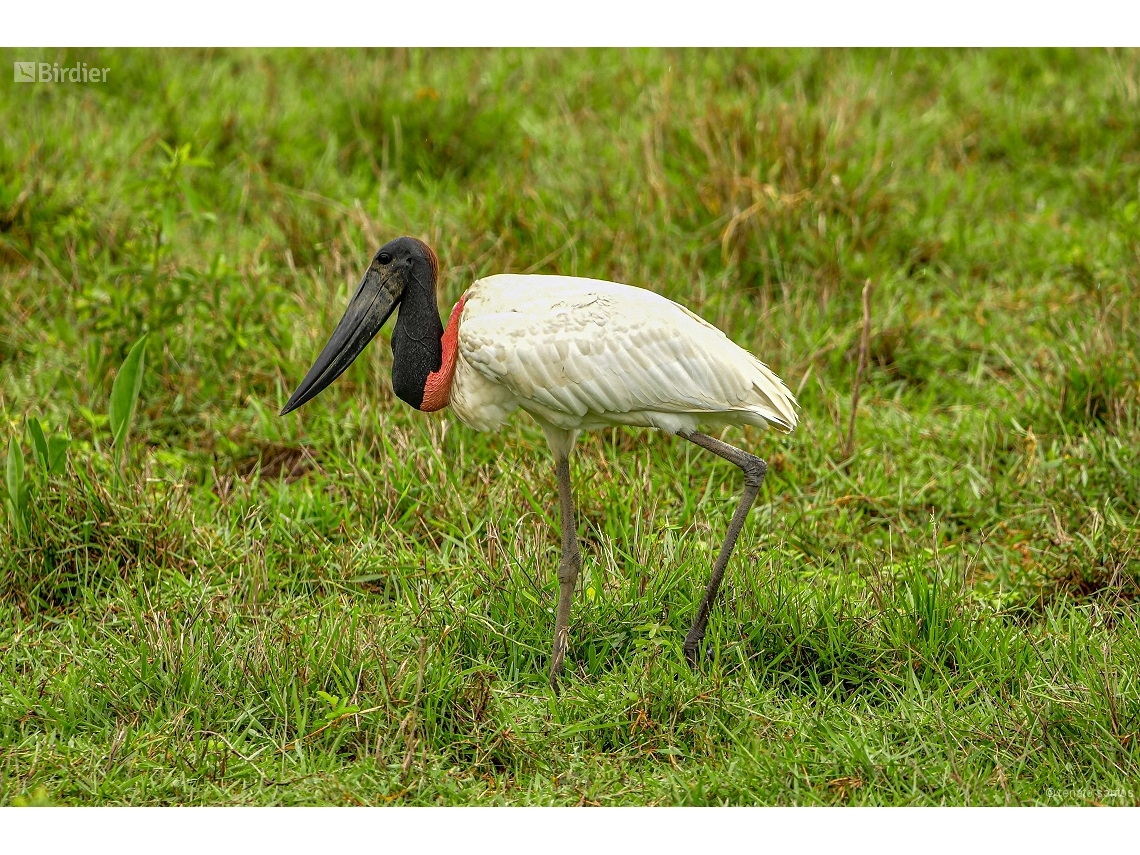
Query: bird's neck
(437, 390)
(417, 344)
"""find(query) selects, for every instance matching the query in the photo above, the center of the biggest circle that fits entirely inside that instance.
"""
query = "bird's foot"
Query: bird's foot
(693, 653)
(558, 659)
(556, 680)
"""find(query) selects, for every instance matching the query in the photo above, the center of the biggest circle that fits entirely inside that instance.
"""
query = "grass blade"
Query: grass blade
(125, 393)
(39, 442)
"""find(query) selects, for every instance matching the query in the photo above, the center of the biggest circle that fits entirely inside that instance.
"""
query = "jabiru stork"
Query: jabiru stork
(578, 355)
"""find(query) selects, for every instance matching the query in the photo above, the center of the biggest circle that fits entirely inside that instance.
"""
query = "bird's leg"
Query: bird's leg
(567, 568)
(754, 470)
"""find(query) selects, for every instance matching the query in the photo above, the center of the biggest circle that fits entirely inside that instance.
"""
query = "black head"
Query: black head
(402, 265)
(409, 260)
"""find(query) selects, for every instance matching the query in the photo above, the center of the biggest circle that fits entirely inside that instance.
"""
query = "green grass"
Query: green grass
(355, 604)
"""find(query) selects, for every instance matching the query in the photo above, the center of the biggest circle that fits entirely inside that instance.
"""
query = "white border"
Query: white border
(553, 831)
(332, 23)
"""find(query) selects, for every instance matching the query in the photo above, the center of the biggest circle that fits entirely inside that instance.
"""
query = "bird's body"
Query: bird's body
(584, 354)
(577, 354)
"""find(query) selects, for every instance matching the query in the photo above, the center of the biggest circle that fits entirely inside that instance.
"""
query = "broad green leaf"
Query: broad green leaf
(38, 441)
(57, 453)
(125, 392)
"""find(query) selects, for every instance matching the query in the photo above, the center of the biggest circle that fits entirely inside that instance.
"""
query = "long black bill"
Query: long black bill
(369, 308)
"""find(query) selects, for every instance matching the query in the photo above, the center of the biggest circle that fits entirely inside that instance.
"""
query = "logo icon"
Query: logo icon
(23, 72)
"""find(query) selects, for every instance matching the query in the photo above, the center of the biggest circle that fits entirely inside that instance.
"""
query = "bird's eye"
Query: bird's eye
(384, 258)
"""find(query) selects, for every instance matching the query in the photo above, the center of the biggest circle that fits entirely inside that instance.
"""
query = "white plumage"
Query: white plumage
(582, 354)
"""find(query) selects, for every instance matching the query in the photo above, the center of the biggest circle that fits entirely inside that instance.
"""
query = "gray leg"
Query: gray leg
(567, 568)
(754, 471)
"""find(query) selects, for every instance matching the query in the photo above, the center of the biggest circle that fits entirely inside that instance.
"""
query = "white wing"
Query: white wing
(584, 353)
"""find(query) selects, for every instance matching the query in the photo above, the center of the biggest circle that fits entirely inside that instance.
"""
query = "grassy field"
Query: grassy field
(354, 604)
